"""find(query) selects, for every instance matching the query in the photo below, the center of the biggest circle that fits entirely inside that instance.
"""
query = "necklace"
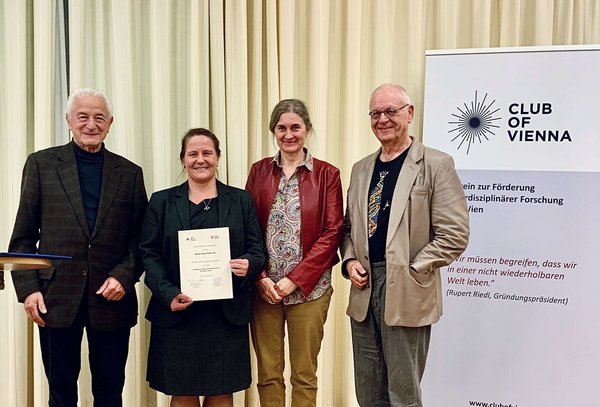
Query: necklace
(206, 204)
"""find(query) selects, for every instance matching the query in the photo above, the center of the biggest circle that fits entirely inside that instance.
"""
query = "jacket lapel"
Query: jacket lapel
(224, 202)
(111, 177)
(67, 171)
(182, 205)
(406, 179)
(366, 172)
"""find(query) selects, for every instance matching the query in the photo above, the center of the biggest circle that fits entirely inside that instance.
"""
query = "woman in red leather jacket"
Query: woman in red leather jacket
(298, 199)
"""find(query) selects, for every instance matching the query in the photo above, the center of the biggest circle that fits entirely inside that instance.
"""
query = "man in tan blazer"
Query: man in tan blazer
(406, 217)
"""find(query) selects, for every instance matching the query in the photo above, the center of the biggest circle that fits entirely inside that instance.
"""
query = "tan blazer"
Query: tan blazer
(428, 229)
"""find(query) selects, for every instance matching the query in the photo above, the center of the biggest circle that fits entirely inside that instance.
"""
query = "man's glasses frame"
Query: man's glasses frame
(389, 112)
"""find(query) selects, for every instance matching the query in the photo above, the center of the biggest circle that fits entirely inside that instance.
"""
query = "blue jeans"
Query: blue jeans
(388, 360)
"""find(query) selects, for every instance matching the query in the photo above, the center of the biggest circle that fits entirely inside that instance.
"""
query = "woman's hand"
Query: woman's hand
(180, 302)
(285, 287)
(239, 267)
(266, 289)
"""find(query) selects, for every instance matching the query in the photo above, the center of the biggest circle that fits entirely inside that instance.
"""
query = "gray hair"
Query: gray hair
(400, 89)
(77, 93)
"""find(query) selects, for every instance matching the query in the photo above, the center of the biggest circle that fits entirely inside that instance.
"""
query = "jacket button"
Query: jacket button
(83, 272)
(90, 246)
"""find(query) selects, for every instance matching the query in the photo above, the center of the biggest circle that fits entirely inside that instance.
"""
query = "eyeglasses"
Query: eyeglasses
(389, 112)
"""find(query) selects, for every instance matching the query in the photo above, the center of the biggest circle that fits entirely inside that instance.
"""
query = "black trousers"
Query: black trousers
(61, 355)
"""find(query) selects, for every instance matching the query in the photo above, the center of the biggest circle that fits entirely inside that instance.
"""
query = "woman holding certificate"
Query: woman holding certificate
(199, 345)
(299, 203)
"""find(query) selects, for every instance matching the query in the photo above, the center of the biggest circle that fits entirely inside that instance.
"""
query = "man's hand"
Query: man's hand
(112, 289)
(267, 291)
(34, 305)
(357, 273)
(181, 302)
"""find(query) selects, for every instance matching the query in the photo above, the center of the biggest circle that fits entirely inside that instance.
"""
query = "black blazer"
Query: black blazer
(168, 213)
(51, 216)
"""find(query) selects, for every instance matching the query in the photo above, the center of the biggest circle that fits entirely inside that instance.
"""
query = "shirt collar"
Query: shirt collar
(307, 162)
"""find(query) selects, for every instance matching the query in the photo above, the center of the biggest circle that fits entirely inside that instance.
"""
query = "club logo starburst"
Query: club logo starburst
(474, 123)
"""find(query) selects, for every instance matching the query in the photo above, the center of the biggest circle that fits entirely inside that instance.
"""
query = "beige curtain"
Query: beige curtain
(223, 64)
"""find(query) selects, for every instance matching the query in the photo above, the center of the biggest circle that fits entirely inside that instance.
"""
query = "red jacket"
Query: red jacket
(321, 208)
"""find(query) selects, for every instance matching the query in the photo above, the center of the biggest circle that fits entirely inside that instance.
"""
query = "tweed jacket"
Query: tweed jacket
(51, 220)
(167, 214)
(428, 229)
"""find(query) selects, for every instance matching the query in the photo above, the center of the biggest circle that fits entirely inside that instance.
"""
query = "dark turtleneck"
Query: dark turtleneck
(89, 167)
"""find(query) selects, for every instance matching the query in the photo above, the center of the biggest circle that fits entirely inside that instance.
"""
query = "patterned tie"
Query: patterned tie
(375, 203)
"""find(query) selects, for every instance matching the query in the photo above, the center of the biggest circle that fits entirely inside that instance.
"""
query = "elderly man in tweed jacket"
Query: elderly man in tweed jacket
(82, 201)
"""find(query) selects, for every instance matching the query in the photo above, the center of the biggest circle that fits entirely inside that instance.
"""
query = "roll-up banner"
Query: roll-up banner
(521, 323)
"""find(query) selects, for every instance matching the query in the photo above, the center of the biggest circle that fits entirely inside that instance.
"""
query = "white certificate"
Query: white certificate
(204, 264)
